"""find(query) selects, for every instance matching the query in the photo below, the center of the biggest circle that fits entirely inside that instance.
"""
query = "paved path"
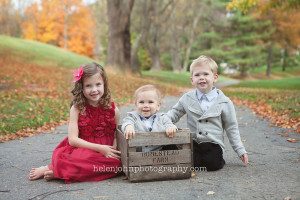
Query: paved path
(273, 172)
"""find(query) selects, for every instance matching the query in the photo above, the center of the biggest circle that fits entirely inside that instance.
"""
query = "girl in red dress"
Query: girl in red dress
(89, 152)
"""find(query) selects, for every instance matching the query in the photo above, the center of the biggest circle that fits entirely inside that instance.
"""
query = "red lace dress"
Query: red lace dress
(80, 164)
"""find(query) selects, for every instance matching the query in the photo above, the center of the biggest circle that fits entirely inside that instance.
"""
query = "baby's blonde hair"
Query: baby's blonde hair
(204, 61)
(145, 88)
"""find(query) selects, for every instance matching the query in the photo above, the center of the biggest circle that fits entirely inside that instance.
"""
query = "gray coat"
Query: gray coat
(160, 124)
(211, 125)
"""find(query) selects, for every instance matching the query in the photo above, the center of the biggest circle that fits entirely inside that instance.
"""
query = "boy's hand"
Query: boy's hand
(171, 131)
(244, 158)
(129, 132)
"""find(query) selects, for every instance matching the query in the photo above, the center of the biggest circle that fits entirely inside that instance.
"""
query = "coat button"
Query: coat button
(200, 133)
(200, 121)
(206, 133)
(206, 120)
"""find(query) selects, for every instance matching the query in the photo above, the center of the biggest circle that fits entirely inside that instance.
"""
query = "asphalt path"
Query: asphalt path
(273, 170)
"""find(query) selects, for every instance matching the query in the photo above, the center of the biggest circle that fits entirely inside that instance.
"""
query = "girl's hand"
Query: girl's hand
(171, 131)
(129, 132)
(244, 158)
(109, 151)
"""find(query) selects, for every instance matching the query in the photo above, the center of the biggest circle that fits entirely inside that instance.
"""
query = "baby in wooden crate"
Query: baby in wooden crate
(147, 119)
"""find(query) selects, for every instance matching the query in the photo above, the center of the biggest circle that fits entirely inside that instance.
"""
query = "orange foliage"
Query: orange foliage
(265, 110)
(285, 22)
(67, 24)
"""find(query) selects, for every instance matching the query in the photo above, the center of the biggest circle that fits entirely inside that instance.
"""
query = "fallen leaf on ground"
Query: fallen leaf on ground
(125, 178)
(210, 192)
(193, 175)
(286, 135)
(79, 193)
(244, 140)
(100, 197)
(292, 140)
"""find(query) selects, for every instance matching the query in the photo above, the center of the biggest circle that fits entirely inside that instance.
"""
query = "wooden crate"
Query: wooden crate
(156, 165)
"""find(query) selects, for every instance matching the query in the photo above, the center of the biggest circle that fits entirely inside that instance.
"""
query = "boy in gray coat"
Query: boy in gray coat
(209, 114)
(146, 118)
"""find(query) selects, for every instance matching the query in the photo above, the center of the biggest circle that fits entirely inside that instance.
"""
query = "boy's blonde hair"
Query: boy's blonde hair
(145, 88)
(204, 61)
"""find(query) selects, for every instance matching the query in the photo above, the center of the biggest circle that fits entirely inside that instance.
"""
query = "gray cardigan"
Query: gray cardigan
(209, 126)
(160, 124)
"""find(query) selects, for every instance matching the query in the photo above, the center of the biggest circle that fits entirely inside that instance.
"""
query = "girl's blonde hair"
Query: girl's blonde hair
(79, 100)
(204, 61)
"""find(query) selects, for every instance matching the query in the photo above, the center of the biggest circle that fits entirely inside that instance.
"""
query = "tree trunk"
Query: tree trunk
(269, 59)
(155, 61)
(175, 43)
(284, 59)
(160, 17)
(147, 11)
(66, 29)
(118, 50)
(191, 41)
(243, 69)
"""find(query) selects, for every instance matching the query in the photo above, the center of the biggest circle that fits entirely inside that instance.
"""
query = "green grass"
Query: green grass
(277, 71)
(180, 79)
(40, 53)
(285, 84)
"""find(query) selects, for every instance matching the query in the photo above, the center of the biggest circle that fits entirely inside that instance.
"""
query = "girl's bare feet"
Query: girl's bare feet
(37, 173)
(49, 175)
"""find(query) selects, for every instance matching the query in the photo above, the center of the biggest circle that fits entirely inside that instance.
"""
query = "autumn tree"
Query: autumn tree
(284, 16)
(119, 47)
(10, 18)
(67, 24)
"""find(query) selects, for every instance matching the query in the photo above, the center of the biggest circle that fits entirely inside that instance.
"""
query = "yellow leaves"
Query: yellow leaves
(292, 140)
(68, 24)
(193, 175)
(243, 5)
(210, 192)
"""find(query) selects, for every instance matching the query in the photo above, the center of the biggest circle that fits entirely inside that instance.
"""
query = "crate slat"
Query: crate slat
(122, 146)
(159, 157)
(159, 138)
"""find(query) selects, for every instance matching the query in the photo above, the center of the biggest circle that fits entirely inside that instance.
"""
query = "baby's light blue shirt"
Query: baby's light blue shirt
(148, 122)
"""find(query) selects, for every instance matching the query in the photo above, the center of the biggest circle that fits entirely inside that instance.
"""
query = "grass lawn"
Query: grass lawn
(40, 53)
(284, 84)
(276, 71)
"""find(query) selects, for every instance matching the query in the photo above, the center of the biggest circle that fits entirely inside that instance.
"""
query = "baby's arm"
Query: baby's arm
(75, 141)
(170, 127)
(129, 132)
(128, 126)
(171, 131)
